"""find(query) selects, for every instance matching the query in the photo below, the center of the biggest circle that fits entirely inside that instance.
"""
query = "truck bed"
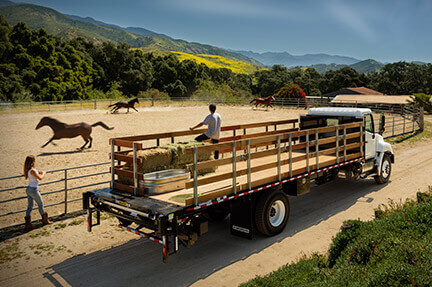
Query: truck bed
(294, 151)
(212, 189)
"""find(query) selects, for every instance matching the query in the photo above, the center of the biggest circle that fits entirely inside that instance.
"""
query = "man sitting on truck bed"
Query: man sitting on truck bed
(213, 121)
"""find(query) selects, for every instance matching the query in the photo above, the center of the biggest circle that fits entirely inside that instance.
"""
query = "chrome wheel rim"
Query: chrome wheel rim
(277, 213)
(385, 169)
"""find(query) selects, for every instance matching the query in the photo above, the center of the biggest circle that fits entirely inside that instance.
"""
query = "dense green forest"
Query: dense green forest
(37, 66)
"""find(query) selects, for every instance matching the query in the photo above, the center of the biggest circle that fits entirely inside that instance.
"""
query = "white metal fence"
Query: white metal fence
(64, 186)
(148, 102)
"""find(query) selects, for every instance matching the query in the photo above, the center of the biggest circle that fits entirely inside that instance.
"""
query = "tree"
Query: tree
(343, 78)
(270, 81)
(291, 90)
(423, 101)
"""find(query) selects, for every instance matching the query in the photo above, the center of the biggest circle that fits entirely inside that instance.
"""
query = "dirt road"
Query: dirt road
(109, 257)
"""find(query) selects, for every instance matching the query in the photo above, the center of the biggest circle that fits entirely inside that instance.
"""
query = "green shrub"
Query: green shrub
(349, 231)
(393, 250)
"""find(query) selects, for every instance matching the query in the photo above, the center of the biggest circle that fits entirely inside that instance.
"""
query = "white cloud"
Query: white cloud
(353, 19)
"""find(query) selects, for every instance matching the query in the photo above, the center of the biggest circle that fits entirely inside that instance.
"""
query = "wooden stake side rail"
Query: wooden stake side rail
(258, 168)
(335, 141)
(122, 156)
(272, 139)
(128, 141)
(217, 163)
(257, 183)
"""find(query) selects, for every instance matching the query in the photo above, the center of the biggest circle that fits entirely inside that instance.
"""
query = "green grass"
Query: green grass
(10, 252)
(60, 225)
(40, 233)
(414, 138)
(395, 249)
(41, 248)
(76, 221)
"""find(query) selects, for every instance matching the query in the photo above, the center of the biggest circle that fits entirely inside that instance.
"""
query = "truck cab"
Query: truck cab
(378, 154)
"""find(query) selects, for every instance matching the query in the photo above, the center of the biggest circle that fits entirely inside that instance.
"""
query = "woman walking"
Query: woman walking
(32, 191)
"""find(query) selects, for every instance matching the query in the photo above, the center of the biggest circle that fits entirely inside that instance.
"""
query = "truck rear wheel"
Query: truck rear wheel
(271, 213)
(385, 171)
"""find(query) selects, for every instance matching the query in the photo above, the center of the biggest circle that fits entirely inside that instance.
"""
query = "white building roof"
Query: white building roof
(343, 112)
(372, 99)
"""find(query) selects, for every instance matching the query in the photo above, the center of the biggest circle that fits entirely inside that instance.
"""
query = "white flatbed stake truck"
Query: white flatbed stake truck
(254, 177)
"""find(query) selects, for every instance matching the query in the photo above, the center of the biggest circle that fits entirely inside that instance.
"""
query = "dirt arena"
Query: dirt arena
(19, 139)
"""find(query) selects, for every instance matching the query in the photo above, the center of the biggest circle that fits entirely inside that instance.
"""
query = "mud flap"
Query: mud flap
(241, 218)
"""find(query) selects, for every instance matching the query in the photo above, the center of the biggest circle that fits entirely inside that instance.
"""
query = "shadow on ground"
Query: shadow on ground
(78, 150)
(139, 262)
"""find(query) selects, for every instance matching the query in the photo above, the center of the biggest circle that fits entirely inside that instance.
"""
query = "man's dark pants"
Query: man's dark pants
(203, 137)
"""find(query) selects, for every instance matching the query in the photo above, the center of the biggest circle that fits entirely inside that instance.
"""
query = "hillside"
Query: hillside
(213, 61)
(134, 30)
(365, 66)
(58, 24)
(288, 60)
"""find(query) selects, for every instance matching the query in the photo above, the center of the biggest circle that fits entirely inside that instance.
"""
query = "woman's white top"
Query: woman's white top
(33, 181)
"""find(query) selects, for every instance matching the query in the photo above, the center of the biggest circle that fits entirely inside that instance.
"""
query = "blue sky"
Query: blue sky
(385, 30)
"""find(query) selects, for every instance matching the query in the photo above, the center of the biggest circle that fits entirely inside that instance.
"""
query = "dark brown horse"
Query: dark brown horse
(127, 105)
(265, 102)
(62, 130)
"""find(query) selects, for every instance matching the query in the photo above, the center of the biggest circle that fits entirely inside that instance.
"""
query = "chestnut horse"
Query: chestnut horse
(127, 105)
(62, 130)
(265, 102)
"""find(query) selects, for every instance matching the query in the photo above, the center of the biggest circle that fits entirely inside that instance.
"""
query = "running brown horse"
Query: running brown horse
(127, 105)
(62, 130)
(265, 102)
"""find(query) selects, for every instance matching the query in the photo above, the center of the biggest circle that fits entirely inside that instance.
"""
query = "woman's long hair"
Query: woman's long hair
(28, 164)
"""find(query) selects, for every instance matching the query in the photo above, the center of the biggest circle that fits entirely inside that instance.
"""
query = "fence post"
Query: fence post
(421, 119)
(95, 104)
(66, 190)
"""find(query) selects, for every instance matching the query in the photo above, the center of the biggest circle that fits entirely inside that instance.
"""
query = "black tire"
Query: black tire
(217, 214)
(385, 171)
(272, 213)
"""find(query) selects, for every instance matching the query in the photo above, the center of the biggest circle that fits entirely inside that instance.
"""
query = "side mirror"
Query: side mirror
(382, 124)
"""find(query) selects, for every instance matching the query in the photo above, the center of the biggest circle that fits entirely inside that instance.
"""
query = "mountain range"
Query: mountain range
(71, 26)
(288, 60)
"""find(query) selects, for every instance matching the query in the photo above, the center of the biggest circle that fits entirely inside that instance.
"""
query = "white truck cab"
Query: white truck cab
(378, 154)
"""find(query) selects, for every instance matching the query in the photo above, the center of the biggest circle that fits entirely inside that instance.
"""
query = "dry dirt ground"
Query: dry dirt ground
(65, 254)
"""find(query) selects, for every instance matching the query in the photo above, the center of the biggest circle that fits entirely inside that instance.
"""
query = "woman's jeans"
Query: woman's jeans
(34, 195)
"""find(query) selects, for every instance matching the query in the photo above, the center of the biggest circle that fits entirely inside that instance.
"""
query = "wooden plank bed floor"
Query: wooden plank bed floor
(213, 188)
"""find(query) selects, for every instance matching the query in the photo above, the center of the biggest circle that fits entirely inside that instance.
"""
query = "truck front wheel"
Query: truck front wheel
(385, 170)
(271, 213)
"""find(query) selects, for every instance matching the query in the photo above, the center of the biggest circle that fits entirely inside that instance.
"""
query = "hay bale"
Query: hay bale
(180, 158)
(154, 159)
(170, 156)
